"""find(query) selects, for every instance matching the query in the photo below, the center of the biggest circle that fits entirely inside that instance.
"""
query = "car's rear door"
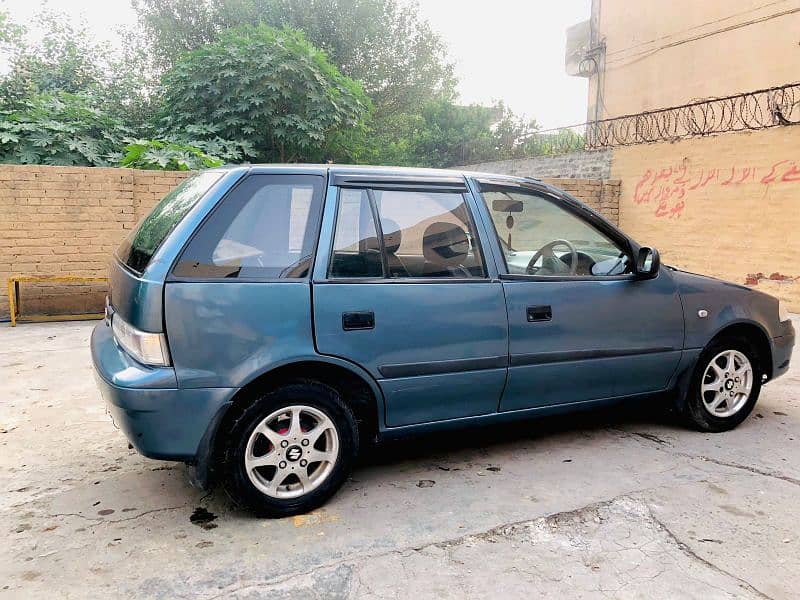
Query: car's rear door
(402, 289)
(575, 335)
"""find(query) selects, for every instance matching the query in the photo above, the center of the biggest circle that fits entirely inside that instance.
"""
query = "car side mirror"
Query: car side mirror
(648, 262)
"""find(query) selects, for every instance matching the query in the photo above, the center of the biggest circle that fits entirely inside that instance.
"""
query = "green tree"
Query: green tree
(68, 60)
(52, 105)
(445, 134)
(64, 60)
(555, 142)
(266, 87)
(10, 32)
(400, 60)
(70, 101)
(236, 88)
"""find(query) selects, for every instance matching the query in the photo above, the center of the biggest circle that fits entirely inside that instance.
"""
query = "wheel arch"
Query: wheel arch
(754, 333)
(355, 386)
(743, 328)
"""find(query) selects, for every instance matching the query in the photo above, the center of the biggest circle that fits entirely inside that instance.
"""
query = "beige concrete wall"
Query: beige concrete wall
(727, 206)
(68, 221)
(740, 46)
(724, 205)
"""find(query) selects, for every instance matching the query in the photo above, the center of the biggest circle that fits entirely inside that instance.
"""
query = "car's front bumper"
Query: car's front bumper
(782, 346)
(160, 419)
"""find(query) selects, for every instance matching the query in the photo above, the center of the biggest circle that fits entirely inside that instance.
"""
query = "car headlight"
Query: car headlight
(783, 313)
(147, 348)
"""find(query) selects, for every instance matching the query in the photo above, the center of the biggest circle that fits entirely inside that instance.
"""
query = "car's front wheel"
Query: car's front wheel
(725, 385)
(290, 450)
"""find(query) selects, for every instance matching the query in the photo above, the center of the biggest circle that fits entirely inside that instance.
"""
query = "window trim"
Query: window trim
(400, 182)
(376, 219)
(173, 278)
(562, 278)
(423, 186)
(572, 207)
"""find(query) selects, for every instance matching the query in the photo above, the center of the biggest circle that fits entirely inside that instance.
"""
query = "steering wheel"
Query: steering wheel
(546, 252)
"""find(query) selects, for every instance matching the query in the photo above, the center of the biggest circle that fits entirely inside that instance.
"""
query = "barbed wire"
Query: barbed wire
(760, 109)
(749, 111)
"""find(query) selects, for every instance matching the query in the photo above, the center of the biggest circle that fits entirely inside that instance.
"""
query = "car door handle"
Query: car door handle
(352, 321)
(539, 313)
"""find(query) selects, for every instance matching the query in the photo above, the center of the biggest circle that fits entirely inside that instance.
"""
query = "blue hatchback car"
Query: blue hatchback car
(265, 322)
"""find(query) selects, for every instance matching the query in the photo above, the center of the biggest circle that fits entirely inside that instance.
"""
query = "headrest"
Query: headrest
(392, 236)
(370, 244)
(445, 244)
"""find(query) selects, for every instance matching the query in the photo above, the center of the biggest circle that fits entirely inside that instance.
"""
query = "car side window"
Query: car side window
(428, 234)
(424, 235)
(356, 249)
(539, 237)
(265, 228)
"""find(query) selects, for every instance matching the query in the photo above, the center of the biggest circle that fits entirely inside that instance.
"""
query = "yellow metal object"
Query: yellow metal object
(14, 302)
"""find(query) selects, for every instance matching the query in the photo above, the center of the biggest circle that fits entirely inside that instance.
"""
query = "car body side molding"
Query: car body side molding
(541, 358)
(443, 366)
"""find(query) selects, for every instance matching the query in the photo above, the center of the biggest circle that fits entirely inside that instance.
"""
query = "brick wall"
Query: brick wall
(598, 194)
(67, 221)
(592, 164)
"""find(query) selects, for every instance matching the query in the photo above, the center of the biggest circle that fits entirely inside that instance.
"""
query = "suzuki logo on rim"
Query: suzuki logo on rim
(294, 453)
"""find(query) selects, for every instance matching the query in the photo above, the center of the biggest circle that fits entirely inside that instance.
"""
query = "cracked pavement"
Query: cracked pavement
(619, 503)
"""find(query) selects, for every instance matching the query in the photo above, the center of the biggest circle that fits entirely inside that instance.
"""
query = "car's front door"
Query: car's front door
(401, 288)
(582, 326)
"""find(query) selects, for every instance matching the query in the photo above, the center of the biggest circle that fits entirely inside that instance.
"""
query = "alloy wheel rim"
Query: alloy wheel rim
(291, 452)
(727, 383)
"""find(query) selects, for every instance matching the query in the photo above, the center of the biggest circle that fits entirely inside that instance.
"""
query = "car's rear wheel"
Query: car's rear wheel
(290, 450)
(725, 385)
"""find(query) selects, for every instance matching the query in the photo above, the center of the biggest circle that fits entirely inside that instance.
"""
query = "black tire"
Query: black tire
(236, 481)
(695, 412)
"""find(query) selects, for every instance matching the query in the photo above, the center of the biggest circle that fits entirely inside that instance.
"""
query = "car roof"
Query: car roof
(379, 171)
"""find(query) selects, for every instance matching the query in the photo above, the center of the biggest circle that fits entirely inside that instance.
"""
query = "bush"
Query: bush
(168, 156)
(267, 88)
(60, 129)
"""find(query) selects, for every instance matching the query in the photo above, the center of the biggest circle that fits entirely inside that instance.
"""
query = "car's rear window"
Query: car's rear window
(139, 247)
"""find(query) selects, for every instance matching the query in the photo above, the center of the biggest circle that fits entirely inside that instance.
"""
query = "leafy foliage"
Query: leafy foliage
(67, 67)
(10, 33)
(172, 156)
(64, 60)
(214, 81)
(60, 129)
(266, 87)
(444, 134)
(559, 142)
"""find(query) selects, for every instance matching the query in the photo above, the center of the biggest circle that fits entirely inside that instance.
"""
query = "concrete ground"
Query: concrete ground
(619, 503)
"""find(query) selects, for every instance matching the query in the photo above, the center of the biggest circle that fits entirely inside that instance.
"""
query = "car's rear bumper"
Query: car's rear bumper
(159, 419)
(782, 347)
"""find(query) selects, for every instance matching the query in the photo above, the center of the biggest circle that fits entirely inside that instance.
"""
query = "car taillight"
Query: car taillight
(147, 348)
